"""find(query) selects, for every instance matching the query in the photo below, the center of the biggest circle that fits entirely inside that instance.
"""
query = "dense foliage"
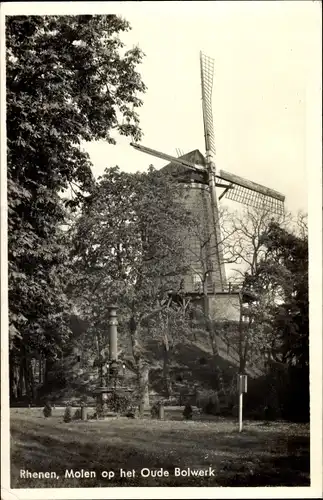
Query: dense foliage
(287, 267)
(68, 80)
(128, 248)
(284, 271)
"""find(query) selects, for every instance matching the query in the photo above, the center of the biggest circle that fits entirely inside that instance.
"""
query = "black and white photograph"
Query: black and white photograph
(161, 249)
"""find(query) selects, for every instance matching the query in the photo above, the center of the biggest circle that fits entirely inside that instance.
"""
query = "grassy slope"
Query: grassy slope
(262, 455)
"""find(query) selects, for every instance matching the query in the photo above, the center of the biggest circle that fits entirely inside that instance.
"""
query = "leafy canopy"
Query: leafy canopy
(128, 243)
(69, 79)
(287, 269)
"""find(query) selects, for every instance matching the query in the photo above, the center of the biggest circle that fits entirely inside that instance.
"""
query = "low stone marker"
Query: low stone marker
(161, 411)
(83, 413)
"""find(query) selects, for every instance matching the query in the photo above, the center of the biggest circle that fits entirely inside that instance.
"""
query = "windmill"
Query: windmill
(203, 177)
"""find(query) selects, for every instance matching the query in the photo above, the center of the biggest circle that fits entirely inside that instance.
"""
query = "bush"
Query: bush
(204, 396)
(68, 414)
(154, 411)
(211, 407)
(84, 401)
(131, 414)
(262, 401)
(295, 399)
(188, 412)
(98, 411)
(123, 403)
(47, 411)
(78, 414)
(172, 401)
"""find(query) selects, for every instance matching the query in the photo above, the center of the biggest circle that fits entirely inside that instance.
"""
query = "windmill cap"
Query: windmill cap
(186, 174)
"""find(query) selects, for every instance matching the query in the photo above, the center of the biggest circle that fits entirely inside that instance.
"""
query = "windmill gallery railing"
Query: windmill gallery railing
(212, 288)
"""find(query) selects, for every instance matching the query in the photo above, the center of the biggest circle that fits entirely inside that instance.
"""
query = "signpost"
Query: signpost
(242, 388)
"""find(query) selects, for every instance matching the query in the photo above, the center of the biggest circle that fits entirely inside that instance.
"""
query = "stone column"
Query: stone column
(113, 333)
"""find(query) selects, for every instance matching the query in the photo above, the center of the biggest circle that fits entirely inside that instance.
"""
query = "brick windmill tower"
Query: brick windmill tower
(206, 186)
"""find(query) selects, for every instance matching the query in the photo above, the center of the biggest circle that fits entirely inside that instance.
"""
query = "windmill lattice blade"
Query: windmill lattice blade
(253, 186)
(255, 199)
(207, 71)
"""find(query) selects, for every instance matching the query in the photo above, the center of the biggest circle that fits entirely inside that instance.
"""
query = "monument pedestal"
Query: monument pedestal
(107, 406)
(114, 372)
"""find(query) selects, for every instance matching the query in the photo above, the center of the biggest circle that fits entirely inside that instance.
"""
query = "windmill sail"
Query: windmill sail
(178, 161)
(207, 70)
(252, 194)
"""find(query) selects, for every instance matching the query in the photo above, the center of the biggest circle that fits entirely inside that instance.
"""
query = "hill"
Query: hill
(192, 371)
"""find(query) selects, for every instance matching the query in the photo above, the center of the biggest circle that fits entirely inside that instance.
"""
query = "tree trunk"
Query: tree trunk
(213, 341)
(13, 380)
(29, 379)
(40, 368)
(166, 355)
(44, 368)
(243, 344)
(143, 382)
(49, 365)
(166, 371)
(143, 385)
(21, 384)
(141, 367)
(217, 369)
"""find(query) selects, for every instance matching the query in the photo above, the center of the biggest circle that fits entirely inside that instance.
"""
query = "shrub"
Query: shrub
(98, 411)
(204, 396)
(131, 414)
(123, 403)
(68, 414)
(154, 411)
(212, 407)
(84, 401)
(188, 412)
(77, 414)
(47, 411)
(262, 400)
(172, 401)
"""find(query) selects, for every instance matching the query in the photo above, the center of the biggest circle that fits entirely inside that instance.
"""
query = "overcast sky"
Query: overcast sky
(262, 53)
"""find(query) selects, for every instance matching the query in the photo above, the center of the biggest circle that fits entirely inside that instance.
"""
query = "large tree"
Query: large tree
(286, 269)
(129, 249)
(247, 248)
(69, 79)
(279, 321)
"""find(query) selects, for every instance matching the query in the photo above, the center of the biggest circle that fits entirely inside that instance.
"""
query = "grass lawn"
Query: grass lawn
(262, 455)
